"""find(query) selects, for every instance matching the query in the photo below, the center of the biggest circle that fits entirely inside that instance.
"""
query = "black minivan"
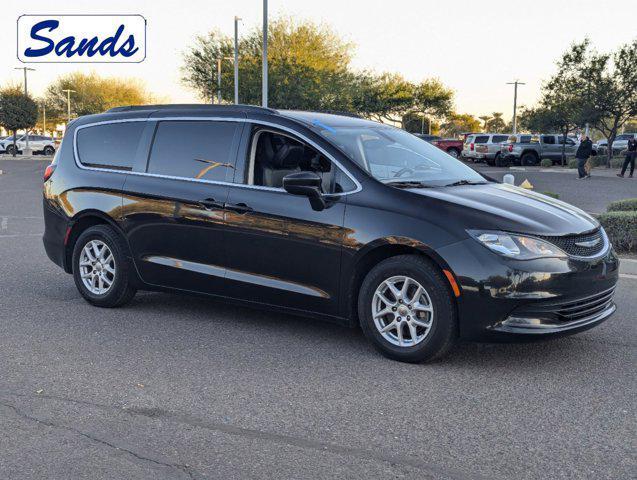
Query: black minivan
(324, 215)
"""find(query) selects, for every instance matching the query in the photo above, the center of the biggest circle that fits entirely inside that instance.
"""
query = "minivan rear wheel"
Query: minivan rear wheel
(406, 310)
(100, 268)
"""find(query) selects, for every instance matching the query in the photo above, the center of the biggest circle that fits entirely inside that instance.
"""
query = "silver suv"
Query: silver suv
(483, 147)
(37, 143)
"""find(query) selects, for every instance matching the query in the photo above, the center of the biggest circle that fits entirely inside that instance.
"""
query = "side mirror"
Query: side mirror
(307, 184)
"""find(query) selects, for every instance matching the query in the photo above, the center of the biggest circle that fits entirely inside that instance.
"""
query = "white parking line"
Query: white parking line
(3, 223)
(21, 235)
(628, 275)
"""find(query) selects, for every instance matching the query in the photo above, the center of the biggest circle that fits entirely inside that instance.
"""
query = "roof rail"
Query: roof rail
(198, 106)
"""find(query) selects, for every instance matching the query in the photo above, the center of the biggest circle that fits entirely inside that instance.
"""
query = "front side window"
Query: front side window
(393, 155)
(499, 139)
(273, 155)
(202, 150)
(111, 145)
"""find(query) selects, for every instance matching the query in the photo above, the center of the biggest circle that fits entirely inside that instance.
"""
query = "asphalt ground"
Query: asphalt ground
(180, 387)
(591, 195)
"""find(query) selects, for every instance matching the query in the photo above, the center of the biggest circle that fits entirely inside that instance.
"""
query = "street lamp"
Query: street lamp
(264, 81)
(27, 150)
(68, 103)
(219, 60)
(515, 103)
(236, 60)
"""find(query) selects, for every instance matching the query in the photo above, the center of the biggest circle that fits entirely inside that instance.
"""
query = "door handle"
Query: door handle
(238, 207)
(210, 204)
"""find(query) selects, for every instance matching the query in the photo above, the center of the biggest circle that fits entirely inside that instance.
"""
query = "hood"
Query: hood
(498, 206)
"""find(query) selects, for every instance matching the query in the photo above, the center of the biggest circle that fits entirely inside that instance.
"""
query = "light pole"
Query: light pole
(27, 150)
(515, 103)
(264, 81)
(68, 104)
(44, 117)
(236, 60)
(219, 78)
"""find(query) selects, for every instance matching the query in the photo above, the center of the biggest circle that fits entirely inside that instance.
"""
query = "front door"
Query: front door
(174, 211)
(280, 251)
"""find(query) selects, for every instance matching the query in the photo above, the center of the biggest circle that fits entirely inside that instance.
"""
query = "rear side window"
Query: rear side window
(481, 139)
(525, 138)
(499, 138)
(112, 145)
(193, 149)
(548, 139)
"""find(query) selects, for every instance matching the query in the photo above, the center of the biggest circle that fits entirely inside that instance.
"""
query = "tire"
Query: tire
(454, 152)
(442, 333)
(492, 162)
(10, 150)
(121, 290)
(49, 150)
(528, 159)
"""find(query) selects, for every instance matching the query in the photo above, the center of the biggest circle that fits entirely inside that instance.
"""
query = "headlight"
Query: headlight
(517, 246)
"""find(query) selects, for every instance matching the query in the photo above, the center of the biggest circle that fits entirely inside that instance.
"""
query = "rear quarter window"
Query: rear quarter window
(112, 145)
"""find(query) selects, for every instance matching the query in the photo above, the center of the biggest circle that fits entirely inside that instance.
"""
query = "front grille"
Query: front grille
(569, 243)
(569, 311)
(585, 307)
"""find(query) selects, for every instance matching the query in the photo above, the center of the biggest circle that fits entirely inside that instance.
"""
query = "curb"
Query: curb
(628, 266)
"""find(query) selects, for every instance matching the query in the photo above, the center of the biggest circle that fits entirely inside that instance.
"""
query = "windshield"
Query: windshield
(393, 155)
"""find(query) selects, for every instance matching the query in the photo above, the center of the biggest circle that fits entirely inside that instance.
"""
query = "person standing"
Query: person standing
(582, 155)
(631, 152)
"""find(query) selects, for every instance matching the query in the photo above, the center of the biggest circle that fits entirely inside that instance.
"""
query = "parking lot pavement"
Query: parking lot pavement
(183, 387)
(591, 195)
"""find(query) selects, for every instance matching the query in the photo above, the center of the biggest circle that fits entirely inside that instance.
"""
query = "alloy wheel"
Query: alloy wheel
(97, 267)
(402, 311)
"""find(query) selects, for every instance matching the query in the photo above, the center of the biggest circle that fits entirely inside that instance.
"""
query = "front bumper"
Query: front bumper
(508, 300)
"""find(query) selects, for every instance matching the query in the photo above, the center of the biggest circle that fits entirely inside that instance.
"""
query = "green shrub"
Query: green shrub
(621, 228)
(546, 162)
(572, 163)
(616, 162)
(623, 205)
(551, 194)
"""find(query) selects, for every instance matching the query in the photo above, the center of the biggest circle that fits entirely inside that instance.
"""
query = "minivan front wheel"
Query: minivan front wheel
(406, 310)
(100, 268)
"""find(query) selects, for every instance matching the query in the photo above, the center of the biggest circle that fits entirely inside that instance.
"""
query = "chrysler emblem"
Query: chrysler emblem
(588, 243)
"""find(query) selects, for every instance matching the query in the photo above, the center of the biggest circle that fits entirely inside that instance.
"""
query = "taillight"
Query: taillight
(49, 171)
(471, 147)
(510, 148)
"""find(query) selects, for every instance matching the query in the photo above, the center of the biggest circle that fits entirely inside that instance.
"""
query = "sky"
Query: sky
(473, 47)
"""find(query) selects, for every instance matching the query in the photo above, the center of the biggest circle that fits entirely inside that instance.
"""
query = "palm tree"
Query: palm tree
(485, 119)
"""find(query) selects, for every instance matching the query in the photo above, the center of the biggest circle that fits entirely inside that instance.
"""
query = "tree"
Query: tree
(496, 124)
(594, 88)
(385, 97)
(432, 98)
(17, 111)
(94, 94)
(307, 67)
(54, 116)
(485, 119)
(459, 123)
(415, 122)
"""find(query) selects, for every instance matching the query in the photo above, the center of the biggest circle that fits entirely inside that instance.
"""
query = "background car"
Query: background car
(526, 149)
(38, 143)
(483, 147)
(621, 142)
(450, 145)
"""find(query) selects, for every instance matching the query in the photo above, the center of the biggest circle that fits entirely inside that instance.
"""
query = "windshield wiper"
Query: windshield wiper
(465, 182)
(407, 184)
